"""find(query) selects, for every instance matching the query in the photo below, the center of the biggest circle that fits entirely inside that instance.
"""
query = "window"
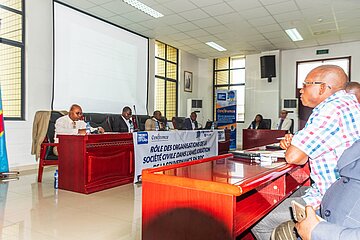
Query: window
(229, 74)
(166, 79)
(12, 58)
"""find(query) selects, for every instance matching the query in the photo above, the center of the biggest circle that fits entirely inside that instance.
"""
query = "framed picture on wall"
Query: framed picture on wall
(188, 81)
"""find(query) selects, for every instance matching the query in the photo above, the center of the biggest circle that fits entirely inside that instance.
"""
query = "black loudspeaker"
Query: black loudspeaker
(268, 67)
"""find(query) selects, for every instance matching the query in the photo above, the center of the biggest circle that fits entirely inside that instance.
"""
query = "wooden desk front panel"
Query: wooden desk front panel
(95, 162)
(260, 137)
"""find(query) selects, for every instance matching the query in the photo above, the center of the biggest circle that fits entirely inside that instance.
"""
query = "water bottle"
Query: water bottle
(212, 126)
(88, 128)
(157, 126)
(131, 127)
(167, 126)
(56, 179)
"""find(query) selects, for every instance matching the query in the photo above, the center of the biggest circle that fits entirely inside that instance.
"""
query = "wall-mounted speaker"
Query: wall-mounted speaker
(268, 67)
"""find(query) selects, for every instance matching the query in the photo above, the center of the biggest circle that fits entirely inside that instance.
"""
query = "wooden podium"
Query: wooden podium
(215, 198)
(90, 163)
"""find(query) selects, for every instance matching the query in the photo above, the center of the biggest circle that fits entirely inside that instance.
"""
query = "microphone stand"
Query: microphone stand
(136, 120)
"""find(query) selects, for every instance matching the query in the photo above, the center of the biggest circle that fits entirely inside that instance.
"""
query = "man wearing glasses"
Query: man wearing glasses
(332, 127)
(72, 124)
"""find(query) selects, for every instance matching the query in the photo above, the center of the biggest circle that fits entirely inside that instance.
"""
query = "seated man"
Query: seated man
(330, 130)
(124, 122)
(340, 206)
(72, 124)
(284, 123)
(155, 123)
(191, 123)
(353, 88)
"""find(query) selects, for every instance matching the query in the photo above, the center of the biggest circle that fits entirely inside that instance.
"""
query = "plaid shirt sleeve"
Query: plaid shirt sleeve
(321, 134)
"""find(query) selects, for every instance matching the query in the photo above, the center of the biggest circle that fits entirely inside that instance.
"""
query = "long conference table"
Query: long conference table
(215, 198)
(90, 163)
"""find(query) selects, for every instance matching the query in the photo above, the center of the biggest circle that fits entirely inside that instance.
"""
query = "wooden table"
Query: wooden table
(215, 198)
(90, 163)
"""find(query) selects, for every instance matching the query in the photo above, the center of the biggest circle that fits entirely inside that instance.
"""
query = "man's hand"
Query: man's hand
(305, 227)
(286, 142)
(101, 130)
(82, 131)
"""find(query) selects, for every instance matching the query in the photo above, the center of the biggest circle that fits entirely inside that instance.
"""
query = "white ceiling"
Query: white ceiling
(240, 26)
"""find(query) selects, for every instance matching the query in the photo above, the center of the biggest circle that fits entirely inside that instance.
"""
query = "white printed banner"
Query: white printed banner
(155, 149)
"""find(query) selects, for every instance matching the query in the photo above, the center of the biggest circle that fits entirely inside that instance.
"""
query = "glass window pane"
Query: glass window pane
(221, 77)
(237, 76)
(159, 67)
(171, 70)
(159, 50)
(221, 63)
(305, 67)
(170, 100)
(171, 54)
(10, 79)
(11, 25)
(237, 62)
(240, 102)
(15, 4)
(160, 94)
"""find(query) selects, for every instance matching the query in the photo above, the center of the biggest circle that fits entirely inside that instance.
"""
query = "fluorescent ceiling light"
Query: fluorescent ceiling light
(216, 46)
(294, 34)
(144, 8)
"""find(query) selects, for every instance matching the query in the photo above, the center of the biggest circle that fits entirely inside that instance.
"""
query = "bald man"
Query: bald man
(72, 124)
(353, 88)
(329, 131)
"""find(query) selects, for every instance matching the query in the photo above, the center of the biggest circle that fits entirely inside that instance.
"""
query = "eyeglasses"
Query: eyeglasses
(315, 83)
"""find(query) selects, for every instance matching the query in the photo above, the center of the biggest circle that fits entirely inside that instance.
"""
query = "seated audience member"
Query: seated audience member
(284, 123)
(258, 123)
(155, 121)
(124, 122)
(354, 88)
(191, 123)
(72, 124)
(329, 131)
(339, 207)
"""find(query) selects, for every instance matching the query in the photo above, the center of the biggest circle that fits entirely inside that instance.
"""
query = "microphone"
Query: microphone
(137, 128)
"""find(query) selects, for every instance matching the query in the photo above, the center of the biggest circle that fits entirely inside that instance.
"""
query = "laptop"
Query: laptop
(208, 125)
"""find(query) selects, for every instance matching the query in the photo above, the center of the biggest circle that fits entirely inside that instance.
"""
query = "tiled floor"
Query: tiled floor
(35, 211)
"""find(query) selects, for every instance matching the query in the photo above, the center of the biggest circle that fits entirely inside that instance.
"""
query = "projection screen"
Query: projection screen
(97, 65)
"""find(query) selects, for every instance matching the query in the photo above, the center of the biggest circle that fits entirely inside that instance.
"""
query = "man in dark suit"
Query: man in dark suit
(191, 123)
(124, 123)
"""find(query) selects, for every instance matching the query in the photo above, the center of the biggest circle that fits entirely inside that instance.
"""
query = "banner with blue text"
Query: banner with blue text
(156, 149)
(226, 113)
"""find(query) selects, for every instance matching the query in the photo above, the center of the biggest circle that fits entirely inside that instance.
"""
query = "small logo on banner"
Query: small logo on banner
(142, 138)
(221, 96)
(159, 138)
(198, 134)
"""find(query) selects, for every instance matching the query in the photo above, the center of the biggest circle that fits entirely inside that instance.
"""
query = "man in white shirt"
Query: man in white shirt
(284, 123)
(72, 124)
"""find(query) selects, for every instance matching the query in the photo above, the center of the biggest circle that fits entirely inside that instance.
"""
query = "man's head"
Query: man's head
(157, 115)
(75, 112)
(353, 88)
(322, 82)
(283, 114)
(193, 116)
(126, 113)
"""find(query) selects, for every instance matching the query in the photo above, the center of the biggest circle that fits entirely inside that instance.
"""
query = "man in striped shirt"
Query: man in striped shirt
(333, 126)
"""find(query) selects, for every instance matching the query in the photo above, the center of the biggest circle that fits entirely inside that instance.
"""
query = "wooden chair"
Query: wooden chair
(47, 157)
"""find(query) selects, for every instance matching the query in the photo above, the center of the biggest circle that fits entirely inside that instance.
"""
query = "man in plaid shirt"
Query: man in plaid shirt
(333, 126)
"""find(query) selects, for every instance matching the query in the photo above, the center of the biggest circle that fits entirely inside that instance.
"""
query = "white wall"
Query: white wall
(290, 57)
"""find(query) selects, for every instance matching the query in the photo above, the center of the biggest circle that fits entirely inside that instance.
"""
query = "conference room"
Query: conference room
(225, 60)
